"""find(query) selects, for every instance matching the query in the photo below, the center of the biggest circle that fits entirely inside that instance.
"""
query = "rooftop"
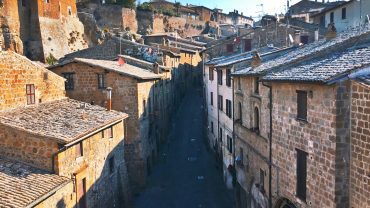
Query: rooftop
(362, 75)
(125, 69)
(309, 51)
(21, 185)
(62, 120)
(325, 69)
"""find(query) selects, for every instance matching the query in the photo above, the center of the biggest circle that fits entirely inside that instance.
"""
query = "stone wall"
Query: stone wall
(16, 72)
(360, 145)
(95, 167)
(318, 137)
(64, 197)
(28, 148)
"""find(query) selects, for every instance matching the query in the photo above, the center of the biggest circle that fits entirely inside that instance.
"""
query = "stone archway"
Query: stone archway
(284, 203)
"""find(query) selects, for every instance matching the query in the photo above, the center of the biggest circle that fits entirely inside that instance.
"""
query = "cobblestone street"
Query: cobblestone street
(186, 175)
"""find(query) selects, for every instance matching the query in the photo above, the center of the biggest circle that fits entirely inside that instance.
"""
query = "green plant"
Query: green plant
(51, 60)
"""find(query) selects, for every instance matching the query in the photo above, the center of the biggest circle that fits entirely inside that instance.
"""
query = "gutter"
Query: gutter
(47, 195)
(270, 144)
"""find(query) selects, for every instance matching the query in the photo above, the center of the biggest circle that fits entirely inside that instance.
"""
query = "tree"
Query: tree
(127, 3)
(177, 6)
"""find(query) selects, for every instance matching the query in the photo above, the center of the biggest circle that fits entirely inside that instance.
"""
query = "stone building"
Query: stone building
(360, 134)
(56, 151)
(40, 29)
(304, 159)
(135, 90)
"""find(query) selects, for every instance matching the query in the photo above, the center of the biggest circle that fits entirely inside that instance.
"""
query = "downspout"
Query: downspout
(218, 112)
(270, 143)
(233, 115)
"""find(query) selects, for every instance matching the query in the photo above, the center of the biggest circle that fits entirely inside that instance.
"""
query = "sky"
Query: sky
(248, 7)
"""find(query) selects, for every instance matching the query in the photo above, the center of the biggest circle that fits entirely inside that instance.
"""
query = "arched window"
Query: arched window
(256, 127)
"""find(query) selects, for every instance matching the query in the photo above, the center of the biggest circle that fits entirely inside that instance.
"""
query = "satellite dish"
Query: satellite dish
(291, 38)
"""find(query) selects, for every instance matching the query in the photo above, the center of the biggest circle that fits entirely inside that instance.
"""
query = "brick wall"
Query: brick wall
(360, 146)
(16, 72)
(317, 137)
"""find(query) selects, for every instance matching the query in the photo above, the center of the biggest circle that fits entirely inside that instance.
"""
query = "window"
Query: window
(331, 17)
(256, 85)
(301, 174)
(241, 155)
(47, 1)
(229, 144)
(247, 45)
(101, 81)
(69, 84)
(79, 150)
(111, 164)
(219, 77)
(144, 108)
(110, 132)
(229, 48)
(256, 120)
(102, 134)
(228, 77)
(211, 98)
(212, 127)
(240, 112)
(344, 13)
(239, 84)
(220, 135)
(30, 91)
(211, 74)
(24, 3)
(262, 179)
(220, 102)
(302, 105)
(228, 108)
(69, 10)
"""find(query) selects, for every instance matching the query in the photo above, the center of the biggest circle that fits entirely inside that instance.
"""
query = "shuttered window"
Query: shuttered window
(211, 74)
(228, 77)
(228, 108)
(220, 102)
(211, 97)
(101, 81)
(69, 84)
(301, 174)
(30, 91)
(219, 77)
(302, 105)
(79, 150)
(229, 144)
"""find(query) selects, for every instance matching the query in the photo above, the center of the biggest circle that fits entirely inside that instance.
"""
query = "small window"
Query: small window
(228, 77)
(69, 10)
(228, 108)
(247, 45)
(110, 132)
(211, 74)
(262, 180)
(331, 17)
(301, 174)
(344, 13)
(102, 134)
(220, 102)
(240, 112)
(219, 77)
(101, 81)
(239, 83)
(79, 150)
(69, 84)
(229, 144)
(302, 105)
(230, 48)
(212, 127)
(256, 120)
(256, 85)
(30, 91)
(144, 108)
(47, 1)
(211, 97)
(111, 164)
(24, 3)
(220, 135)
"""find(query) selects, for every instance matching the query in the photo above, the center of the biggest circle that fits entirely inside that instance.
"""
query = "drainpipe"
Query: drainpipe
(233, 111)
(109, 98)
(270, 144)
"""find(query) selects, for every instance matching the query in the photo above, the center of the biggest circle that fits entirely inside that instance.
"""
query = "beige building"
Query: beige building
(56, 151)
(135, 90)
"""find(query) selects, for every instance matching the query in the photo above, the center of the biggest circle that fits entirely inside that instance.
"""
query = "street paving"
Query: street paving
(186, 174)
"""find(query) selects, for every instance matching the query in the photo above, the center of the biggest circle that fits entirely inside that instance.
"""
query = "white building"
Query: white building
(349, 14)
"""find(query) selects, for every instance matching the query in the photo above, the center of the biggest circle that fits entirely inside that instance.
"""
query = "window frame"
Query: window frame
(101, 81)
(69, 84)
(302, 113)
(30, 94)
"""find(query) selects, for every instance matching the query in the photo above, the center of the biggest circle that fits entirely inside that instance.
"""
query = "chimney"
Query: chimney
(297, 37)
(256, 60)
(121, 61)
(331, 32)
(156, 68)
(316, 34)
(109, 98)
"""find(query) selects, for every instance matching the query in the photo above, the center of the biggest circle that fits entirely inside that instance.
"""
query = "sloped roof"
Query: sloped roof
(125, 69)
(21, 185)
(62, 120)
(309, 51)
(362, 75)
(325, 69)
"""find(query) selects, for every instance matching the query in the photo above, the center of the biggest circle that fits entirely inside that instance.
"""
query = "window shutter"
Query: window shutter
(302, 105)
(301, 174)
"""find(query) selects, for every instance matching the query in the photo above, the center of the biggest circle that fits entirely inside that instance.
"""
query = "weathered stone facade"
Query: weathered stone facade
(360, 145)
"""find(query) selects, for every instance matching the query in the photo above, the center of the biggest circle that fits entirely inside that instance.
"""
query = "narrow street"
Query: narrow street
(186, 175)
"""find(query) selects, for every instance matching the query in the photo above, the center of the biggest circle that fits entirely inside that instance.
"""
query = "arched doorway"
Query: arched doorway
(284, 203)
